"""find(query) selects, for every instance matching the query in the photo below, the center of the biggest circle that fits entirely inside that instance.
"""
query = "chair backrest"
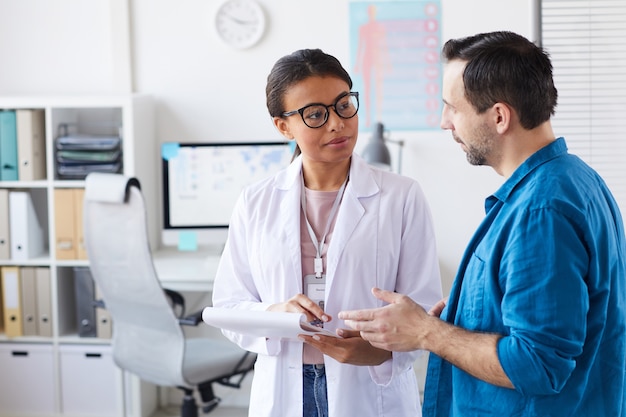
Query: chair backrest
(147, 338)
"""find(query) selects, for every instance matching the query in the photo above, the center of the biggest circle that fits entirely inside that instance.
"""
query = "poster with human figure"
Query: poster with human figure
(395, 63)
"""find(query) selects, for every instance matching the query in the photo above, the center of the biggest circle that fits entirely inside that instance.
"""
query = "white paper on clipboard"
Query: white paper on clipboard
(270, 324)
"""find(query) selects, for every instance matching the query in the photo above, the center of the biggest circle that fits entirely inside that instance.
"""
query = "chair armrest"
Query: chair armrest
(177, 300)
(192, 319)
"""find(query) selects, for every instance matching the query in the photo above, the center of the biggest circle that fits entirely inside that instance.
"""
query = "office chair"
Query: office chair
(147, 339)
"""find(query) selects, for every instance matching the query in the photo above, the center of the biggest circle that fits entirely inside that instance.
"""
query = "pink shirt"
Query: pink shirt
(318, 207)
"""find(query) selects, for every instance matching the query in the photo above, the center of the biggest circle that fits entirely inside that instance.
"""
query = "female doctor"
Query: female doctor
(330, 220)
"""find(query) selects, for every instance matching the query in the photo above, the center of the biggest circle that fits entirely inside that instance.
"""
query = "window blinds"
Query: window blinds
(586, 40)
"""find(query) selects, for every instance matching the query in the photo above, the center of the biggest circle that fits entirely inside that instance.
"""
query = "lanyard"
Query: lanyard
(319, 245)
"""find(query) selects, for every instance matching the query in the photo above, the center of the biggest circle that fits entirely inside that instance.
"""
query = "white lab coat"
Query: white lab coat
(383, 237)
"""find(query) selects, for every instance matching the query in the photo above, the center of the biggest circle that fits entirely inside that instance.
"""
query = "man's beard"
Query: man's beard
(479, 152)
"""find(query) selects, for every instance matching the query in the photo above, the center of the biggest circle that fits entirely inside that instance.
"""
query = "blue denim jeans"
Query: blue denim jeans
(315, 402)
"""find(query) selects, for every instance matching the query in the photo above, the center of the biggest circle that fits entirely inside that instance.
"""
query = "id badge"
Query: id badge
(315, 288)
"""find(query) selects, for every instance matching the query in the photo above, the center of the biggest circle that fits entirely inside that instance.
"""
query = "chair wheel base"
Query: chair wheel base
(211, 405)
(189, 408)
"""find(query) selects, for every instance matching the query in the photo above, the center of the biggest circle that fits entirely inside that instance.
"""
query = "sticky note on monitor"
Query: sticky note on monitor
(187, 241)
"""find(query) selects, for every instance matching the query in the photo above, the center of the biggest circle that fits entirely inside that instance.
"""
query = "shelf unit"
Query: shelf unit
(53, 376)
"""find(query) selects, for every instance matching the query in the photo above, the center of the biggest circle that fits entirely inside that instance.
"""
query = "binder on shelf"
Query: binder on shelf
(68, 222)
(11, 301)
(104, 326)
(27, 234)
(1, 305)
(31, 144)
(79, 239)
(64, 223)
(29, 301)
(5, 248)
(84, 287)
(8, 146)
(44, 301)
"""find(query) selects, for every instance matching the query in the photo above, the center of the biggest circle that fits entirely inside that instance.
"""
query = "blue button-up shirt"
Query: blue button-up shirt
(546, 270)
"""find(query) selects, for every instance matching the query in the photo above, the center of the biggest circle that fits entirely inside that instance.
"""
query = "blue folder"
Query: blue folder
(8, 146)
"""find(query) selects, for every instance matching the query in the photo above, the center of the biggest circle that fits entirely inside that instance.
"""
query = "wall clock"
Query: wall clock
(240, 23)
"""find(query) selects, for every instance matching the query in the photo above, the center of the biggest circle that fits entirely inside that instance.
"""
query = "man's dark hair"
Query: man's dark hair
(508, 68)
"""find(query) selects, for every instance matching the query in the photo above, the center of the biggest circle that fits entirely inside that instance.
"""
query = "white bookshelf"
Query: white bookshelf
(50, 376)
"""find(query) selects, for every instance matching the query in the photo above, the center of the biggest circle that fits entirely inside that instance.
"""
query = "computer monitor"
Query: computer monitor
(202, 181)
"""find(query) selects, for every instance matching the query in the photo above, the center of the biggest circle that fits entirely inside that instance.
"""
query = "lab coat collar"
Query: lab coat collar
(363, 183)
(362, 178)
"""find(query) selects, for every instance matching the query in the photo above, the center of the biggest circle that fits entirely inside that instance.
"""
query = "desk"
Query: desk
(186, 270)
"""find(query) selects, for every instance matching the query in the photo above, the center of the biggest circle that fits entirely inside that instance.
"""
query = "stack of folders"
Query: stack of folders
(26, 303)
(22, 145)
(22, 235)
(78, 155)
(92, 318)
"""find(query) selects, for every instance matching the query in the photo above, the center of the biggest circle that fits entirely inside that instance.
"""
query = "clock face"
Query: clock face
(240, 23)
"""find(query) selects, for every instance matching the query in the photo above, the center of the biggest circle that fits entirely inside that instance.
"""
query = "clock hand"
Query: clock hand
(240, 21)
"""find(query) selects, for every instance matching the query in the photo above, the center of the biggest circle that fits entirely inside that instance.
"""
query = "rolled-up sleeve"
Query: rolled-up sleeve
(545, 304)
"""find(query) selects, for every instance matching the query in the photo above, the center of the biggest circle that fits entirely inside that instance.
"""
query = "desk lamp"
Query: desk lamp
(377, 153)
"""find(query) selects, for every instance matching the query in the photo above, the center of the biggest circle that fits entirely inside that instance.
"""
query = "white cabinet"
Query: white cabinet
(57, 372)
(90, 382)
(27, 379)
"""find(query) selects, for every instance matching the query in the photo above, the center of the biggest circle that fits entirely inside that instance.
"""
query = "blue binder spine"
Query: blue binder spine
(8, 146)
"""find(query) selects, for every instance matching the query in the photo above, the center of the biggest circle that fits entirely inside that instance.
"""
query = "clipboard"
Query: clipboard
(269, 324)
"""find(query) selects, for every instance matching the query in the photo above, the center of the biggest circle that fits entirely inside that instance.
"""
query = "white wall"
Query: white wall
(206, 91)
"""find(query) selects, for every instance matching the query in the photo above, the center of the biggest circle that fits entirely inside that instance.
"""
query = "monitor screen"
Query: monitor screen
(202, 181)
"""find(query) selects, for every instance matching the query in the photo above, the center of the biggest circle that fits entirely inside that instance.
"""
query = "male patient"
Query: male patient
(535, 322)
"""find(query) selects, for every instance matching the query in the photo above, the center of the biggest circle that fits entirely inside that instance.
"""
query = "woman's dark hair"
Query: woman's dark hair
(506, 67)
(295, 67)
(298, 66)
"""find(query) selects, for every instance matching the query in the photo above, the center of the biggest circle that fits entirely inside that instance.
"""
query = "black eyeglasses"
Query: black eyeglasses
(316, 115)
